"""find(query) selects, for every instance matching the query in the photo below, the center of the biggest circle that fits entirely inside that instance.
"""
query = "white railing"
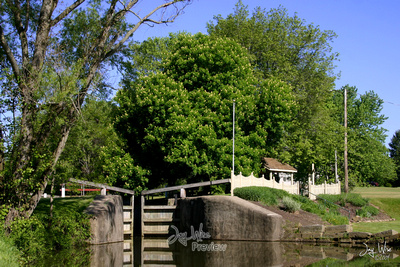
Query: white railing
(329, 189)
(291, 187)
(243, 181)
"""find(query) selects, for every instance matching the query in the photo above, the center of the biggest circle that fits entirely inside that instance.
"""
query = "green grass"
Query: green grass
(9, 254)
(274, 197)
(378, 192)
(78, 204)
(388, 200)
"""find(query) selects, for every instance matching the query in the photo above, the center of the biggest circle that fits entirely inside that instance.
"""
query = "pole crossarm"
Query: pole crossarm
(112, 188)
(178, 187)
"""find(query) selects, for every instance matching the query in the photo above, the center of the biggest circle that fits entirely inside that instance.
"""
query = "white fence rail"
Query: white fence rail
(329, 189)
(291, 187)
(243, 181)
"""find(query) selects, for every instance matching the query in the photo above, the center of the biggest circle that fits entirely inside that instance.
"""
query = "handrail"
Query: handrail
(317, 196)
(178, 187)
(112, 188)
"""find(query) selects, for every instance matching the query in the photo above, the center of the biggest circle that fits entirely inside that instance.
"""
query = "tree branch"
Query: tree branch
(9, 53)
(142, 21)
(16, 12)
(66, 12)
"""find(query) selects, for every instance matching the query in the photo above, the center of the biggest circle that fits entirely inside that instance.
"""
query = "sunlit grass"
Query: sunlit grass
(73, 203)
(378, 192)
(388, 200)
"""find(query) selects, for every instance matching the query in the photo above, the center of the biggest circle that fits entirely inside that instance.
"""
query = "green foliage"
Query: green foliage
(335, 218)
(367, 211)
(50, 66)
(41, 234)
(368, 156)
(292, 50)
(9, 254)
(352, 198)
(177, 120)
(394, 148)
(94, 152)
(290, 204)
(30, 236)
(272, 197)
(266, 195)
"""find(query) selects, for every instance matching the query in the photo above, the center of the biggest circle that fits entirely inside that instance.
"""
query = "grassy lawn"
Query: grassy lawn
(72, 203)
(387, 199)
(378, 192)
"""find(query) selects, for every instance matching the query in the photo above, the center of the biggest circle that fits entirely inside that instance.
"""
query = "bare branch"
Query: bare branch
(9, 53)
(66, 12)
(16, 11)
(143, 21)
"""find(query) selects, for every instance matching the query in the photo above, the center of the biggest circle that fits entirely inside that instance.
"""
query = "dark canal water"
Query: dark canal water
(158, 252)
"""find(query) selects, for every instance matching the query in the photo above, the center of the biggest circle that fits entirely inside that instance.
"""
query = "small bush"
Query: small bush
(335, 218)
(266, 195)
(342, 199)
(290, 204)
(356, 199)
(367, 211)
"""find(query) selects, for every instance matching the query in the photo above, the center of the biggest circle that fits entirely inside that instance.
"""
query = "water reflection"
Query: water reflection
(247, 253)
(157, 252)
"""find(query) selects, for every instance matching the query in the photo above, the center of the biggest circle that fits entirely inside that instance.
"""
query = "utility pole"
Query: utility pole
(346, 175)
(233, 140)
(336, 176)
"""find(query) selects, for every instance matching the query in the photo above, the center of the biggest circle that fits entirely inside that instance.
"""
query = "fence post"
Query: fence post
(232, 183)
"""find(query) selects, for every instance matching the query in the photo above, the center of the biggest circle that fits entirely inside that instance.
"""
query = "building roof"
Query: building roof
(276, 166)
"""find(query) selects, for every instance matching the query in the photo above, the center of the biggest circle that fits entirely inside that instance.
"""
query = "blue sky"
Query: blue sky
(368, 40)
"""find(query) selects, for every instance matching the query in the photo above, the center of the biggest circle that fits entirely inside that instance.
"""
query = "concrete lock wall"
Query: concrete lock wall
(106, 220)
(229, 218)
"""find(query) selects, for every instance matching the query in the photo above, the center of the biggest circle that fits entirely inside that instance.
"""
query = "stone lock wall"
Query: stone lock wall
(229, 218)
(106, 219)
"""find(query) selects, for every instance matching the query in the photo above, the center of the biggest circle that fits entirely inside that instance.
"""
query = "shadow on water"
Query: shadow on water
(157, 252)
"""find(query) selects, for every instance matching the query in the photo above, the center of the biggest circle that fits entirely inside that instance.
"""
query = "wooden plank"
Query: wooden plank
(113, 188)
(178, 187)
(160, 207)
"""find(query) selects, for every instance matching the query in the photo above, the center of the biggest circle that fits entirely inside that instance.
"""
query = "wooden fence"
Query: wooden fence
(329, 189)
(242, 181)
(291, 187)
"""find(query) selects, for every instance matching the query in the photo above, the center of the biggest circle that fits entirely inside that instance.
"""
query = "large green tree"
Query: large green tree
(299, 53)
(177, 120)
(394, 147)
(94, 152)
(51, 54)
(368, 156)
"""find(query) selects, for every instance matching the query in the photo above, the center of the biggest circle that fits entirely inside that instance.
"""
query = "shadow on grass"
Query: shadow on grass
(78, 204)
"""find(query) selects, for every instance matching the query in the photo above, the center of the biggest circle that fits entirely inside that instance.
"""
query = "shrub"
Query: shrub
(342, 199)
(335, 218)
(9, 254)
(266, 195)
(356, 199)
(39, 234)
(367, 211)
(290, 204)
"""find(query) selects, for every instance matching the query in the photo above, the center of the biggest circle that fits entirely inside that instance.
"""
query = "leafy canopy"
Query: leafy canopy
(177, 120)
